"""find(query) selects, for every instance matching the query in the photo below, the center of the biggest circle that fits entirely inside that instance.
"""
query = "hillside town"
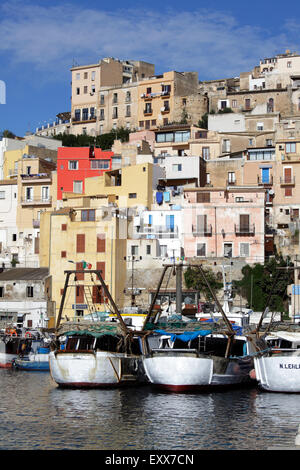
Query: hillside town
(208, 174)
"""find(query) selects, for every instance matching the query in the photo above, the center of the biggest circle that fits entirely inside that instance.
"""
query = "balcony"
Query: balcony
(244, 230)
(36, 178)
(36, 201)
(265, 181)
(84, 119)
(202, 231)
(148, 112)
(287, 181)
(157, 231)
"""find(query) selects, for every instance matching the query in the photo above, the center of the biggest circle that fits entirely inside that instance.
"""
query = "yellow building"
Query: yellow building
(157, 96)
(94, 227)
(12, 157)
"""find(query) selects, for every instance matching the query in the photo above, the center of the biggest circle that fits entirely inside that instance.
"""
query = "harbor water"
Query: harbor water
(35, 414)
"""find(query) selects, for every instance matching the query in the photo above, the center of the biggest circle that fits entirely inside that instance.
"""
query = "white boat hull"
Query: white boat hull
(278, 373)
(90, 369)
(183, 372)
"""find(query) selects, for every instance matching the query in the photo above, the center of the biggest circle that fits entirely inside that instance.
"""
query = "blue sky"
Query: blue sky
(40, 40)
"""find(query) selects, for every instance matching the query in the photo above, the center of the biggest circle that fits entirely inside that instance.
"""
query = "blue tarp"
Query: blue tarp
(187, 336)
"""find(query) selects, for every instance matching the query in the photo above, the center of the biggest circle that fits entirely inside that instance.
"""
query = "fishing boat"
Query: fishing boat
(195, 355)
(277, 369)
(277, 365)
(34, 356)
(12, 343)
(95, 353)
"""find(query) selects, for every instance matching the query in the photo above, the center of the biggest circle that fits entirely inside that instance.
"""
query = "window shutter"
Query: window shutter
(79, 294)
(100, 265)
(79, 276)
(100, 243)
(80, 243)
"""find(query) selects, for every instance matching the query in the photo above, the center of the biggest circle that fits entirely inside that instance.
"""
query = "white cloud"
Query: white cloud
(213, 43)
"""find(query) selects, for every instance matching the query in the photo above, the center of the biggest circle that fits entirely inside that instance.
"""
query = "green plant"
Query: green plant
(194, 280)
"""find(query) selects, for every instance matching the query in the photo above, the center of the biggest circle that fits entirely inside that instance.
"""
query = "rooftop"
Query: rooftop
(24, 274)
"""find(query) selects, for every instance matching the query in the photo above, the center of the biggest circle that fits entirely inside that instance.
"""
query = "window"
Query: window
(92, 113)
(231, 177)
(29, 291)
(128, 96)
(166, 89)
(63, 254)
(80, 243)
(269, 142)
(148, 250)
(1, 291)
(93, 74)
(163, 251)
(134, 250)
(203, 197)
(244, 249)
(64, 227)
(85, 89)
(77, 76)
(226, 145)
(201, 249)
(228, 250)
(247, 103)
(115, 113)
(102, 115)
(85, 75)
(234, 103)
(77, 114)
(100, 265)
(14, 237)
(29, 194)
(288, 192)
(73, 165)
(207, 178)
(101, 99)
(100, 164)
(148, 108)
(45, 193)
(132, 195)
(141, 123)
(128, 110)
(85, 113)
(148, 92)
(77, 91)
(260, 126)
(166, 106)
(77, 187)
(115, 97)
(289, 64)
(206, 153)
(87, 215)
(290, 147)
(177, 167)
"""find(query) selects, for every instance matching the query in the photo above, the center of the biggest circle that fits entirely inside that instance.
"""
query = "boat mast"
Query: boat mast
(107, 293)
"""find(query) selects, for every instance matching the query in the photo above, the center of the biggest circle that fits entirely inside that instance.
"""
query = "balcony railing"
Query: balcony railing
(244, 230)
(36, 201)
(83, 119)
(263, 181)
(287, 180)
(202, 231)
(157, 231)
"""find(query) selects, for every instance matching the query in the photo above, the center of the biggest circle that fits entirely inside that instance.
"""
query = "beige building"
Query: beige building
(169, 98)
(86, 98)
(37, 192)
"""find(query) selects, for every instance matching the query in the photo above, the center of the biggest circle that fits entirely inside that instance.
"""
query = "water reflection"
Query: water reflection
(36, 414)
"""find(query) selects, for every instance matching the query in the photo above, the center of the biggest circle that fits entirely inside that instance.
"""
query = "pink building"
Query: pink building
(223, 222)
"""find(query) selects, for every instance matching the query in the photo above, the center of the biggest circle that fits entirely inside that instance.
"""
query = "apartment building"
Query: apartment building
(225, 223)
(158, 99)
(87, 80)
(75, 164)
(37, 182)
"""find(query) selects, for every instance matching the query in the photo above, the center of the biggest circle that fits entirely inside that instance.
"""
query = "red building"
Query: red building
(74, 164)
